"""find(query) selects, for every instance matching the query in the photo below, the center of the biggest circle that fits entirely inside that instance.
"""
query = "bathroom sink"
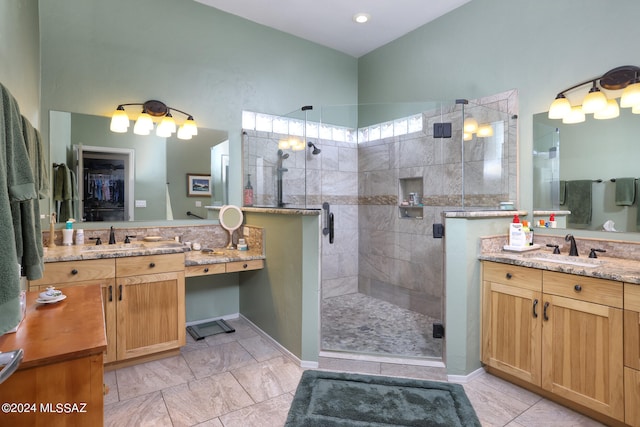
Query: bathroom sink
(565, 259)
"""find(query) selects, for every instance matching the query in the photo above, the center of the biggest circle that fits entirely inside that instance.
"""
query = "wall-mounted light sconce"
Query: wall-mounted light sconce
(144, 123)
(602, 105)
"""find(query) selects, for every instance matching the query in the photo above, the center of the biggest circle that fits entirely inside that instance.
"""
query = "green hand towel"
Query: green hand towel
(625, 191)
(563, 192)
(578, 200)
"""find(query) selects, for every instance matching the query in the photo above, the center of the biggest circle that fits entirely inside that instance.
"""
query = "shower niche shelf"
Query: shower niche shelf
(410, 197)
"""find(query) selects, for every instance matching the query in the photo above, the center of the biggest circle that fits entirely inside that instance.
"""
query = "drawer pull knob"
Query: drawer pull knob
(152, 264)
(206, 270)
(577, 288)
(244, 266)
(535, 304)
(509, 275)
(74, 271)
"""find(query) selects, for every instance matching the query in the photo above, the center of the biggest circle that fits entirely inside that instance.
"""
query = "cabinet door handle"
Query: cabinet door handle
(206, 270)
(544, 313)
(535, 305)
(110, 293)
(509, 276)
(577, 288)
(152, 264)
(120, 293)
(74, 271)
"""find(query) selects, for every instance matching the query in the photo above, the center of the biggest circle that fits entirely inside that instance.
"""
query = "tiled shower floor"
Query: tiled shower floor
(362, 324)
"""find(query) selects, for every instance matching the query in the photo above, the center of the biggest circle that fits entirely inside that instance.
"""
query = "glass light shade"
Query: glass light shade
(163, 131)
(284, 144)
(594, 101)
(119, 121)
(470, 125)
(169, 123)
(467, 136)
(485, 131)
(190, 126)
(559, 108)
(144, 125)
(184, 133)
(635, 109)
(630, 96)
(575, 116)
(610, 112)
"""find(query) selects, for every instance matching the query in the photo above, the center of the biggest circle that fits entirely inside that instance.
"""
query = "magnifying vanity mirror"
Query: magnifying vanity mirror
(231, 219)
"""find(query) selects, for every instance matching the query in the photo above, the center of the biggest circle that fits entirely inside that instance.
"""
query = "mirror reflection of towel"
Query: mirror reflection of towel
(625, 191)
(578, 200)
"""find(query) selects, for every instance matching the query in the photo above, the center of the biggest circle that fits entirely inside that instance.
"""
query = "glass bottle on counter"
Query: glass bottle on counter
(248, 192)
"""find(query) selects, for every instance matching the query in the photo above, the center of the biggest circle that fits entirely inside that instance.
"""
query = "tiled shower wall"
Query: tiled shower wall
(375, 251)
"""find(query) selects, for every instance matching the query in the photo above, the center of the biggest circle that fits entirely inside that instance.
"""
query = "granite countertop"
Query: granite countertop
(603, 267)
(218, 256)
(119, 250)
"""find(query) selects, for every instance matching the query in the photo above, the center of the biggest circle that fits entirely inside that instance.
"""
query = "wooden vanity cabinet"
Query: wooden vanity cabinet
(632, 354)
(143, 300)
(150, 304)
(557, 331)
(512, 321)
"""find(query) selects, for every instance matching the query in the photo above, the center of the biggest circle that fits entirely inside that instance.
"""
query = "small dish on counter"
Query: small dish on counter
(51, 300)
(50, 293)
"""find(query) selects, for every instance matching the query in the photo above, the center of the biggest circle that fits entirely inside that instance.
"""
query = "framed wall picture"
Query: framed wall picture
(198, 185)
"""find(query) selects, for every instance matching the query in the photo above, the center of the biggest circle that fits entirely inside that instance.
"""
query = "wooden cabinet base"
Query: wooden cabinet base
(143, 359)
(555, 398)
(63, 394)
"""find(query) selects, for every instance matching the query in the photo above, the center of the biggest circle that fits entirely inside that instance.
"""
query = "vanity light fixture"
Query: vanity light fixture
(597, 101)
(144, 123)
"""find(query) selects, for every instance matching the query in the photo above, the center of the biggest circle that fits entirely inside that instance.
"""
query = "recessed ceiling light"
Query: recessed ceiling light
(361, 18)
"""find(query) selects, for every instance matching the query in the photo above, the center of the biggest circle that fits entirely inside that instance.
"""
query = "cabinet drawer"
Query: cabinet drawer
(149, 264)
(75, 271)
(524, 277)
(204, 270)
(589, 289)
(254, 264)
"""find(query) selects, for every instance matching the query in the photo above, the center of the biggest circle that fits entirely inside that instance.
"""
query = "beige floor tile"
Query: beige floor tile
(493, 407)
(210, 423)
(193, 344)
(110, 381)
(421, 372)
(269, 379)
(243, 330)
(147, 410)
(512, 390)
(260, 348)
(550, 414)
(204, 399)
(217, 359)
(152, 376)
(272, 413)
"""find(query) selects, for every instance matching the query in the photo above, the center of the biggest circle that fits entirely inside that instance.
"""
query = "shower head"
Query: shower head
(316, 150)
(283, 155)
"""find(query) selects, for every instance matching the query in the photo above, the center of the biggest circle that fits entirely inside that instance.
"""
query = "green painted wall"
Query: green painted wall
(98, 54)
(20, 55)
(209, 297)
(283, 298)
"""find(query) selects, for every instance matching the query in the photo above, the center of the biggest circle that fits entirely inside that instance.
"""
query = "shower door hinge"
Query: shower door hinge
(438, 330)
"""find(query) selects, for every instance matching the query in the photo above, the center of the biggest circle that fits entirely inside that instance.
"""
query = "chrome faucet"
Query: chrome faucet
(573, 250)
(112, 236)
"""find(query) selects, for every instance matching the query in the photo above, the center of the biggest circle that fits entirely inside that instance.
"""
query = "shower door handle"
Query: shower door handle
(331, 228)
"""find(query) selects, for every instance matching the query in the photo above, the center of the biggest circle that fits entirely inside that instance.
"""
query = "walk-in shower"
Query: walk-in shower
(388, 179)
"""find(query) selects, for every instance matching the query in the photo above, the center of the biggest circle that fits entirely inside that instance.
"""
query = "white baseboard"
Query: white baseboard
(305, 364)
(463, 379)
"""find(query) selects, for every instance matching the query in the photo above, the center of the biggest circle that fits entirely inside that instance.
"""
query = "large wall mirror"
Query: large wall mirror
(161, 170)
(596, 150)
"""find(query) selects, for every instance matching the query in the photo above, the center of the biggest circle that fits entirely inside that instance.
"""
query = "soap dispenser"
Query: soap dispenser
(516, 233)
